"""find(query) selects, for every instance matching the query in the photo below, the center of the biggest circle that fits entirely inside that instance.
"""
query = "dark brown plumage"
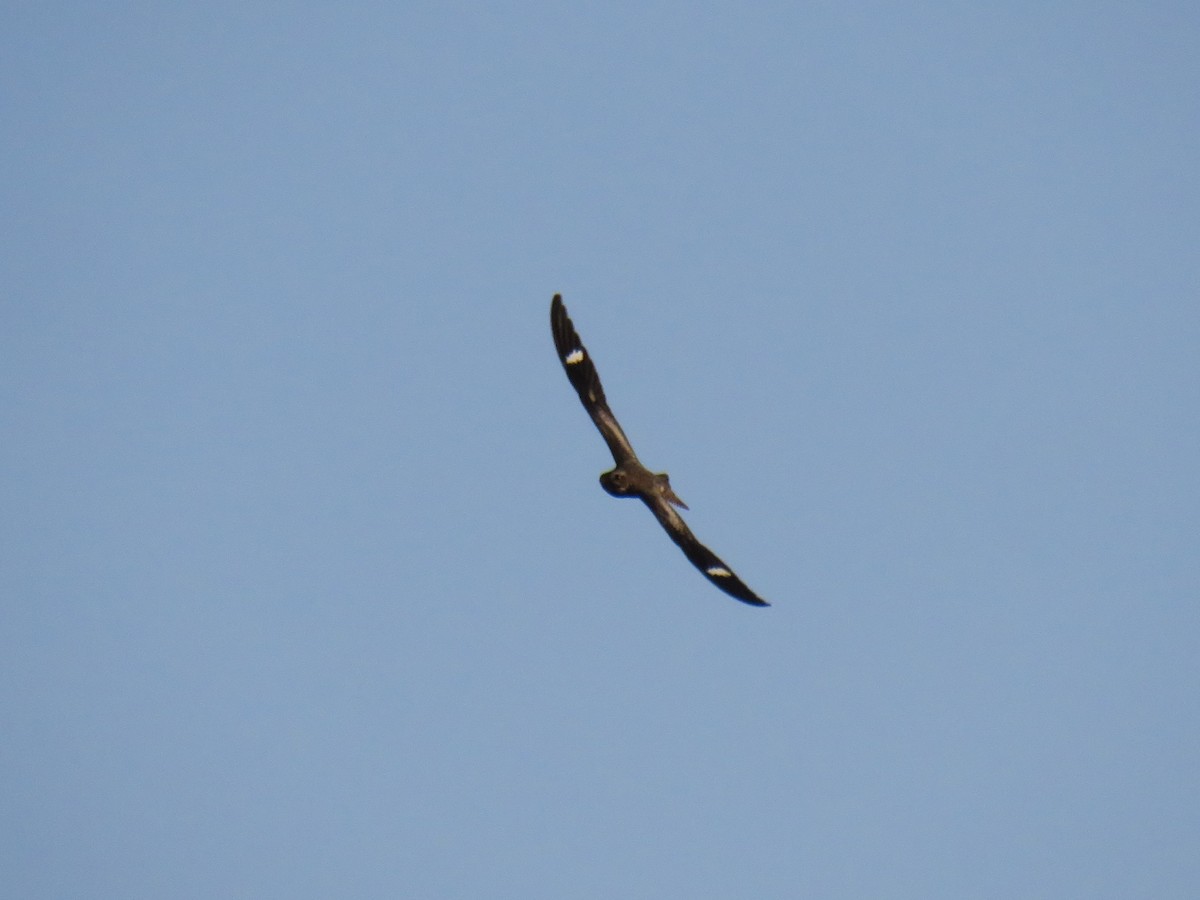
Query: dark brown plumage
(629, 478)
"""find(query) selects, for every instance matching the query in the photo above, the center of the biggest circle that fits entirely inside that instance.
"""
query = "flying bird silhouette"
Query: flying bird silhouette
(629, 478)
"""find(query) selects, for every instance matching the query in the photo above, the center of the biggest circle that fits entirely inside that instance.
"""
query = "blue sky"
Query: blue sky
(308, 587)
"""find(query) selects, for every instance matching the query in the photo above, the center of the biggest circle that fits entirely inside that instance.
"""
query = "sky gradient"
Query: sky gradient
(308, 587)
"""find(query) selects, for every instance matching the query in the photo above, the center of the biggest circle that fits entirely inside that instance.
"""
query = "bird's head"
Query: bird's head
(616, 482)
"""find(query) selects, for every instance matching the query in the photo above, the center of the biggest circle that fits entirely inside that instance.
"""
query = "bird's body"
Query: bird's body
(629, 478)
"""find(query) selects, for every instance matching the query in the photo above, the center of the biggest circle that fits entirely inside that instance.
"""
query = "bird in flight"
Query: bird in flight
(629, 478)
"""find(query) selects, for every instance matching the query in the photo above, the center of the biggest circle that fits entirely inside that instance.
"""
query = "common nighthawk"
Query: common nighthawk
(629, 478)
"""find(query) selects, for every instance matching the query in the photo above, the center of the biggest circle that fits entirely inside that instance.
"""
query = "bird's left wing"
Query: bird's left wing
(583, 377)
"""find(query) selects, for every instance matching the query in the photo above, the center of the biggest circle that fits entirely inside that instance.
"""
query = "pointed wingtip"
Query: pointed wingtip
(752, 600)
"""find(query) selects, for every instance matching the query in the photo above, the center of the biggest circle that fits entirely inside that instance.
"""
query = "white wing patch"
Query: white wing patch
(574, 356)
(718, 572)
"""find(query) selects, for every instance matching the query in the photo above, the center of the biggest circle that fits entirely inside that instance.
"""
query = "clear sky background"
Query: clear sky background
(309, 589)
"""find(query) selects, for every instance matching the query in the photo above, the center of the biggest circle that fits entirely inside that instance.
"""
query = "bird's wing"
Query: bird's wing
(702, 558)
(578, 364)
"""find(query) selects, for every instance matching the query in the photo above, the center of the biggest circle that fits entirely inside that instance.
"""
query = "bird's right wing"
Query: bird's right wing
(701, 557)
